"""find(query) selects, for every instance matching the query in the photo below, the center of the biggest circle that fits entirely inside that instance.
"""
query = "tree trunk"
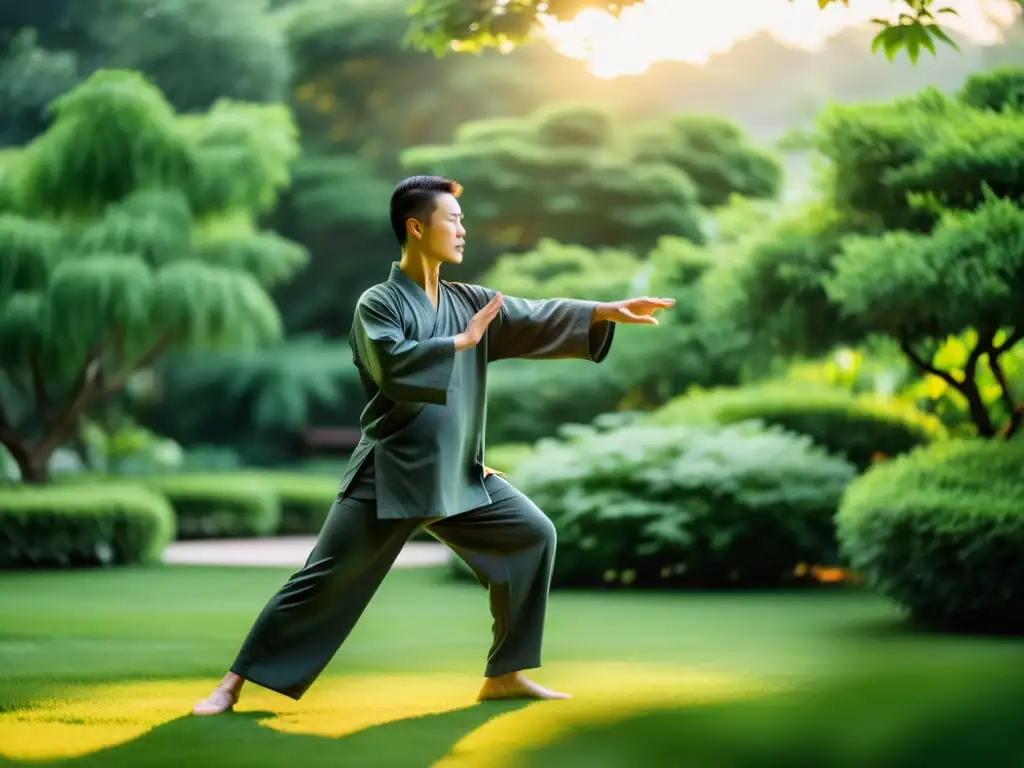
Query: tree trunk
(33, 464)
(979, 413)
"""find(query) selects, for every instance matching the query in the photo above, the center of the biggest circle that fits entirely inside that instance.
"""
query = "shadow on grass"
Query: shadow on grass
(239, 740)
(884, 720)
(908, 717)
(901, 628)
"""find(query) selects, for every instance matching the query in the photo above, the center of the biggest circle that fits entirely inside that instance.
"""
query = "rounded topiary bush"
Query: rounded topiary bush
(857, 427)
(304, 498)
(85, 525)
(219, 505)
(941, 532)
(708, 506)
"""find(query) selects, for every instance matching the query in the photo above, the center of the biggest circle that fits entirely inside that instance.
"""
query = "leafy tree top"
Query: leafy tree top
(130, 229)
(578, 174)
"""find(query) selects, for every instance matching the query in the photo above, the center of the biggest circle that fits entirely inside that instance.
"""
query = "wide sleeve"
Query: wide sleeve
(405, 370)
(548, 329)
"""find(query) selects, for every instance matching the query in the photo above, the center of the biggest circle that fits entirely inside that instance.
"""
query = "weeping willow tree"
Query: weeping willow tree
(127, 230)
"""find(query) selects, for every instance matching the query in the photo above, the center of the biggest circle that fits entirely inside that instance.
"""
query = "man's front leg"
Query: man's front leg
(510, 545)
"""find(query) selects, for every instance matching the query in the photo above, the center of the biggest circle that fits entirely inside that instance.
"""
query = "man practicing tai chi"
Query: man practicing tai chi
(422, 346)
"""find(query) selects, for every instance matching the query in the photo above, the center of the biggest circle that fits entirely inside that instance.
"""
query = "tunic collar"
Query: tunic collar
(410, 286)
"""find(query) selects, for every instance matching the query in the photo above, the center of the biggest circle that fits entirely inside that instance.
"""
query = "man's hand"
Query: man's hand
(488, 472)
(636, 311)
(478, 324)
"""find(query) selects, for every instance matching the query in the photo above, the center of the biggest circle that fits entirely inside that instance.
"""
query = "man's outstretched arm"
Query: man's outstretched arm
(564, 328)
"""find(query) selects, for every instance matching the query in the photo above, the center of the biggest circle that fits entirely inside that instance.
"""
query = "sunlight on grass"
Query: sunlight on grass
(90, 718)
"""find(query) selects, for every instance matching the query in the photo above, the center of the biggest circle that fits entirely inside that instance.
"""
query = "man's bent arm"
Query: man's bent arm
(405, 370)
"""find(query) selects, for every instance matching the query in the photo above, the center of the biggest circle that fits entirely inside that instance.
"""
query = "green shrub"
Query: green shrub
(941, 532)
(88, 525)
(708, 506)
(305, 499)
(219, 505)
(506, 457)
(856, 427)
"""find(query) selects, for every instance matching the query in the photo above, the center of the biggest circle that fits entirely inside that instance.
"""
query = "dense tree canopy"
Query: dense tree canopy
(196, 52)
(916, 238)
(531, 399)
(576, 174)
(129, 230)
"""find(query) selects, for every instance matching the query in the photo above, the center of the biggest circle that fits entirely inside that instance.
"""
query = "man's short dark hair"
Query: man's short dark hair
(416, 198)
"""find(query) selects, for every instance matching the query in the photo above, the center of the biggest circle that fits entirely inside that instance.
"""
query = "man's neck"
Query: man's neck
(422, 271)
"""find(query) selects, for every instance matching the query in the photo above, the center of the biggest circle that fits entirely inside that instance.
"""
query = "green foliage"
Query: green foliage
(969, 270)
(911, 32)
(897, 165)
(92, 525)
(562, 173)
(712, 151)
(858, 428)
(233, 503)
(940, 532)
(133, 230)
(574, 271)
(916, 240)
(219, 506)
(692, 506)
(233, 48)
(30, 78)
(530, 399)
(305, 499)
(998, 89)
(936, 395)
(255, 399)
(774, 295)
(438, 25)
(967, 274)
(506, 457)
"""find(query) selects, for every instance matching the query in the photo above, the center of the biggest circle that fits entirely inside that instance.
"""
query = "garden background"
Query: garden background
(789, 518)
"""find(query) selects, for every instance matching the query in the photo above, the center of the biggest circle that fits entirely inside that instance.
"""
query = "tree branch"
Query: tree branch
(117, 382)
(1006, 395)
(1011, 340)
(919, 361)
(984, 346)
(969, 386)
(6, 435)
(58, 428)
(39, 386)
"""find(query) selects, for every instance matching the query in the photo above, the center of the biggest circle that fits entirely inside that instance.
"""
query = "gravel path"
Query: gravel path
(288, 551)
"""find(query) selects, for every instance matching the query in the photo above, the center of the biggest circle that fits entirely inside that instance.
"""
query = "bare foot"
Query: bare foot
(516, 686)
(223, 698)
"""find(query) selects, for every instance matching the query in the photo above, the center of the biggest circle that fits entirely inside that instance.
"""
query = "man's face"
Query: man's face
(442, 235)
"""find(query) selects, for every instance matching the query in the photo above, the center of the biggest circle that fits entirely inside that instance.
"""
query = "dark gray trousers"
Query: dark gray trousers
(509, 544)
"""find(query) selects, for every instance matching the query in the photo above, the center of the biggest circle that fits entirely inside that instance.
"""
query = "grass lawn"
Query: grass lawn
(100, 668)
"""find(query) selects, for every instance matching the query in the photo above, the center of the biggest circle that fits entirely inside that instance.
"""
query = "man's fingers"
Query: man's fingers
(642, 319)
(660, 303)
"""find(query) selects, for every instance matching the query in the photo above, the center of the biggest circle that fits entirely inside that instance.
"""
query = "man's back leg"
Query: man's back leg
(304, 624)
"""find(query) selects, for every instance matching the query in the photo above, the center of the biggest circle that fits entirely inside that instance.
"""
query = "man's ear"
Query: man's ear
(414, 228)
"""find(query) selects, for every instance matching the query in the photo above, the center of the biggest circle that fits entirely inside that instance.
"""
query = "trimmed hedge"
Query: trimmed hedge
(711, 506)
(219, 505)
(941, 532)
(304, 499)
(87, 525)
(855, 427)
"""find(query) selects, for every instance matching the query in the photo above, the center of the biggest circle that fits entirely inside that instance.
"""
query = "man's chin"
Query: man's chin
(455, 257)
